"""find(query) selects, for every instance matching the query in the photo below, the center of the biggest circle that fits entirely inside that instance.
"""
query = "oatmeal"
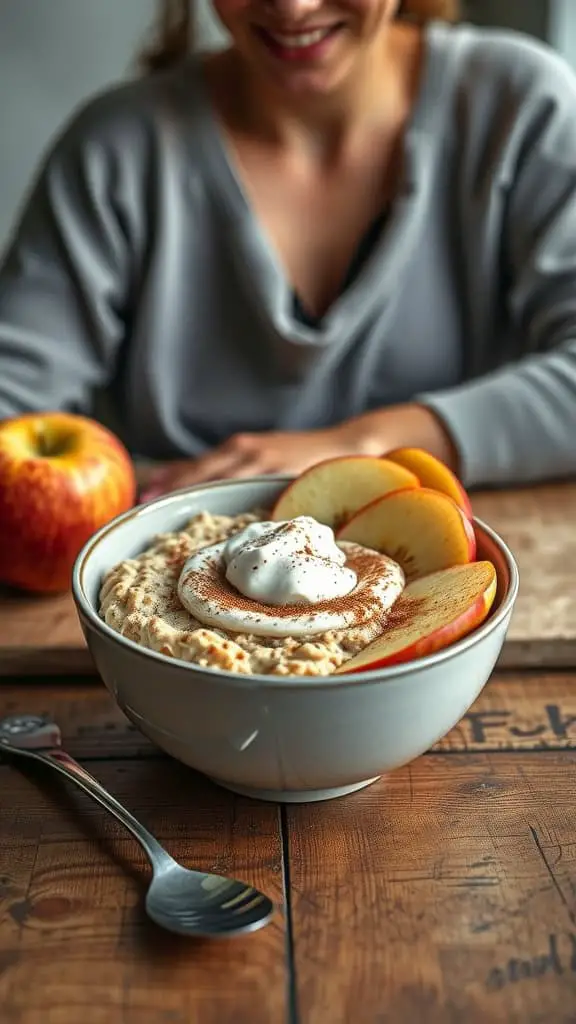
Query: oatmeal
(152, 601)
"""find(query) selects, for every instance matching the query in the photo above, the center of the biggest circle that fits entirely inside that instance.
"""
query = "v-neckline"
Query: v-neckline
(258, 257)
(364, 249)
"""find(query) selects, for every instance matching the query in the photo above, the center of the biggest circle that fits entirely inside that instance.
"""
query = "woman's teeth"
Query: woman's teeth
(304, 39)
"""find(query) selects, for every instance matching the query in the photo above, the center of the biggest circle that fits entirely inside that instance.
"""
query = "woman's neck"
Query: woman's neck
(378, 99)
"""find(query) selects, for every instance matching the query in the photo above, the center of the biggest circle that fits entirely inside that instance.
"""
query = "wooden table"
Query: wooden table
(445, 893)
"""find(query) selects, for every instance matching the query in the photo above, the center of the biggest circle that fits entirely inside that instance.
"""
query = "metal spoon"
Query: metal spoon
(182, 901)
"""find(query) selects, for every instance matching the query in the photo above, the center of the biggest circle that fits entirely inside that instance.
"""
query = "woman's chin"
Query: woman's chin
(309, 83)
(305, 78)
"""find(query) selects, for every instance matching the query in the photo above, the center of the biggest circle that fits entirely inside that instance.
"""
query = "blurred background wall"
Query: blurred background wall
(54, 53)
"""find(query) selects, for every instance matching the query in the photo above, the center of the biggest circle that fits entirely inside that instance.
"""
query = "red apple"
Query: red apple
(432, 473)
(431, 614)
(333, 490)
(62, 477)
(423, 530)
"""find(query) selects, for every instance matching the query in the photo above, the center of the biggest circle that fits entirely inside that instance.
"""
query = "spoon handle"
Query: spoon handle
(61, 762)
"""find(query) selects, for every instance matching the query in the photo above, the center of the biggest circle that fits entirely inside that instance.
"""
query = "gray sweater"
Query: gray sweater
(139, 265)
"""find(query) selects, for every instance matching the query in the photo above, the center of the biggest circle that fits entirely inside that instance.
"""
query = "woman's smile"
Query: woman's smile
(300, 45)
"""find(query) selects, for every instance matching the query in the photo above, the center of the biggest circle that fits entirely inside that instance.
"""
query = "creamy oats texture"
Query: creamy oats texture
(144, 598)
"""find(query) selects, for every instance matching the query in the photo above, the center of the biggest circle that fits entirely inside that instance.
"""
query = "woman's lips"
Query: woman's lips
(299, 46)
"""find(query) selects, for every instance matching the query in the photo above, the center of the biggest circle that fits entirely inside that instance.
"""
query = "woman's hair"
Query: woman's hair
(173, 37)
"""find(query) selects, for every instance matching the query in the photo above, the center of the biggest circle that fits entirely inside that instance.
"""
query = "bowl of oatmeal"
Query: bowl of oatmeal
(225, 639)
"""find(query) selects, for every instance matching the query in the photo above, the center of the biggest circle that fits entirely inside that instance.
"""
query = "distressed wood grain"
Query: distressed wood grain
(445, 893)
(75, 944)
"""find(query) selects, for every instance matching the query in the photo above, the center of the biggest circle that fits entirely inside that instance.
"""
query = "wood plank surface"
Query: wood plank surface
(519, 711)
(445, 894)
(75, 944)
(538, 525)
(515, 711)
(42, 635)
(92, 724)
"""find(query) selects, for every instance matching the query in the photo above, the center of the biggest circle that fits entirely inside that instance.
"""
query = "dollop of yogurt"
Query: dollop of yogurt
(288, 579)
(288, 563)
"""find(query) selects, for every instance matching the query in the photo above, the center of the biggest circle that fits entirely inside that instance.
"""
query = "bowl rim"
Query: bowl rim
(241, 681)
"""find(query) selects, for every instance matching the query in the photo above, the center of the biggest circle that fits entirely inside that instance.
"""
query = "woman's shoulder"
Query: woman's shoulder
(127, 118)
(491, 60)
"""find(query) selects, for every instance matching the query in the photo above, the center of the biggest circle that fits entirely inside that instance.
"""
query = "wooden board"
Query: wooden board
(539, 524)
(42, 635)
(75, 944)
(443, 894)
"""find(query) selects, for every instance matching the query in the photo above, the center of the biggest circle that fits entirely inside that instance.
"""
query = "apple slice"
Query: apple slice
(431, 614)
(423, 530)
(432, 473)
(332, 491)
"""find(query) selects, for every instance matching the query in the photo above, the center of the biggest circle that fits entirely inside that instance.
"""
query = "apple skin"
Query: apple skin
(410, 610)
(62, 477)
(443, 637)
(333, 490)
(432, 473)
(370, 524)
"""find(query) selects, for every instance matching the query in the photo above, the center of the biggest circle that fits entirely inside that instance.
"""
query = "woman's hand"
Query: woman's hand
(292, 452)
(246, 455)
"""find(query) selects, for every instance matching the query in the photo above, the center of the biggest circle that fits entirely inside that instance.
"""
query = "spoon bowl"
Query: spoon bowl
(182, 901)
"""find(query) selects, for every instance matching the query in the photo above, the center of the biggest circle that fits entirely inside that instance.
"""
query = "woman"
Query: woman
(353, 229)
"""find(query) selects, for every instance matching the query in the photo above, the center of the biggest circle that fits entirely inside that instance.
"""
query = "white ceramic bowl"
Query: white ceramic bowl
(278, 738)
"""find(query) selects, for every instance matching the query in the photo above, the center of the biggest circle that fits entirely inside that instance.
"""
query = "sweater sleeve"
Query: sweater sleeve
(63, 281)
(517, 424)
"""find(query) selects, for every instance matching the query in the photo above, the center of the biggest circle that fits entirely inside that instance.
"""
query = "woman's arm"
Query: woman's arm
(64, 279)
(518, 424)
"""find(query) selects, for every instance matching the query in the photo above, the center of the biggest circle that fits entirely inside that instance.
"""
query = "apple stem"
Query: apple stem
(43, 446)
(48, 445)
